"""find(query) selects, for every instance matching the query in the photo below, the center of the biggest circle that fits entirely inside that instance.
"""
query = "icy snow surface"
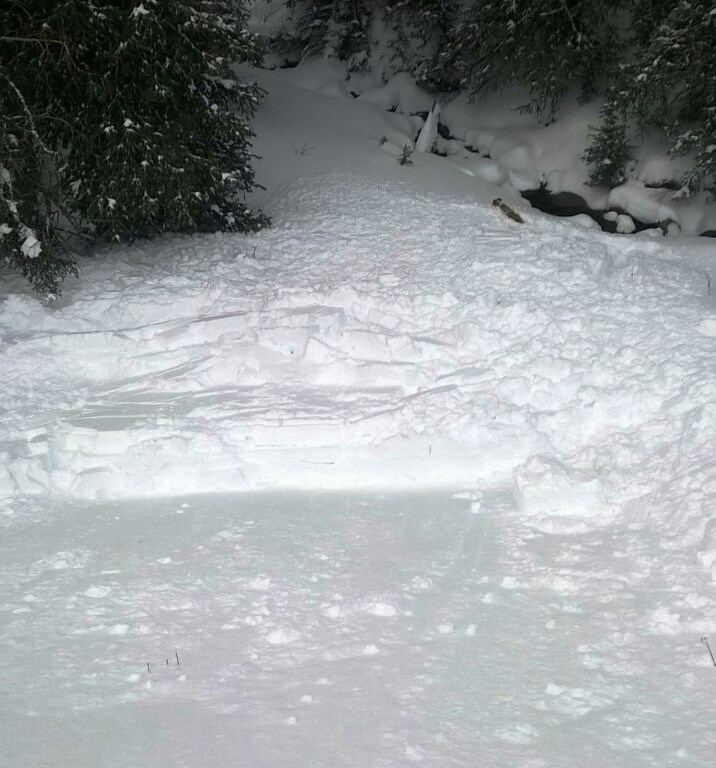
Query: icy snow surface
(550, 389)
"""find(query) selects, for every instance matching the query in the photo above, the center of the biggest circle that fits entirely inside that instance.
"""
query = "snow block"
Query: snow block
(546, 486)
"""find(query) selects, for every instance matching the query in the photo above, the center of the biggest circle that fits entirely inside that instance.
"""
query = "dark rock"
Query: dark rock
(572, 204)
(444, 131)
(669, 226)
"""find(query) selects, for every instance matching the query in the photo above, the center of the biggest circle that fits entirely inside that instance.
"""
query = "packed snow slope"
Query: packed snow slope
(547, 394)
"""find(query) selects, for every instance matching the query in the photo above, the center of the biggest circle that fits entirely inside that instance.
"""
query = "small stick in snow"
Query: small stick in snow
(149, 669)
(706, 643)
(404, 159)
(176, 653)
(511, 213)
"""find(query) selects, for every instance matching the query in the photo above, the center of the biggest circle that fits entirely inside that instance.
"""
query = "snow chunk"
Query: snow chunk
(546, 486)
(664, 621)
(625, 224)
(708, 326)
(98, 592)
(283, 637)
(414, 754)
(401, 93)
(31, 246)
(381, 609)
(139, 10)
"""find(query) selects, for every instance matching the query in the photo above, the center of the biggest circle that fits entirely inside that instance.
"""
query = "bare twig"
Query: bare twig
(37, 41)
(302, 151)
(28, 114)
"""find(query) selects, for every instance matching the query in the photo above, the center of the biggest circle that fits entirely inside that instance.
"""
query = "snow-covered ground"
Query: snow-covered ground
(346, 630)
(468, 466)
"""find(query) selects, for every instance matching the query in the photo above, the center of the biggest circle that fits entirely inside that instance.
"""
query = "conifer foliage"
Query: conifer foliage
(118, 121)
(545, 45)
(653, 61)
(333, 28)
(417, 34)
(422, 33)
(31, 240)
(670, 83)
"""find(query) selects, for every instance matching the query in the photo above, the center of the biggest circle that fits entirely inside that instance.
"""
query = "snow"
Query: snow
(530, 151)
(505, 645)
(428, 135)
(397, 480)
(527, 153)
(31, 246)
(399, 93)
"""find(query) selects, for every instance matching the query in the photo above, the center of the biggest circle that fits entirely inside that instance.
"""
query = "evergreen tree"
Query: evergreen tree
(121, 121)
(341, 29)
(610, 151)
(334, 28)
(670, 84)
(422, 31)
(545, 45)
(645, 19)
(28, 241)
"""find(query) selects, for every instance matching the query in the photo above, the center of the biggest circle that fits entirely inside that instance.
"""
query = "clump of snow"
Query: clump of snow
(692, 216)
(582, 220)
(546, 486)
(30, 247)
(283, 636)
(625, 224)
(386, 610)
(399, 93)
